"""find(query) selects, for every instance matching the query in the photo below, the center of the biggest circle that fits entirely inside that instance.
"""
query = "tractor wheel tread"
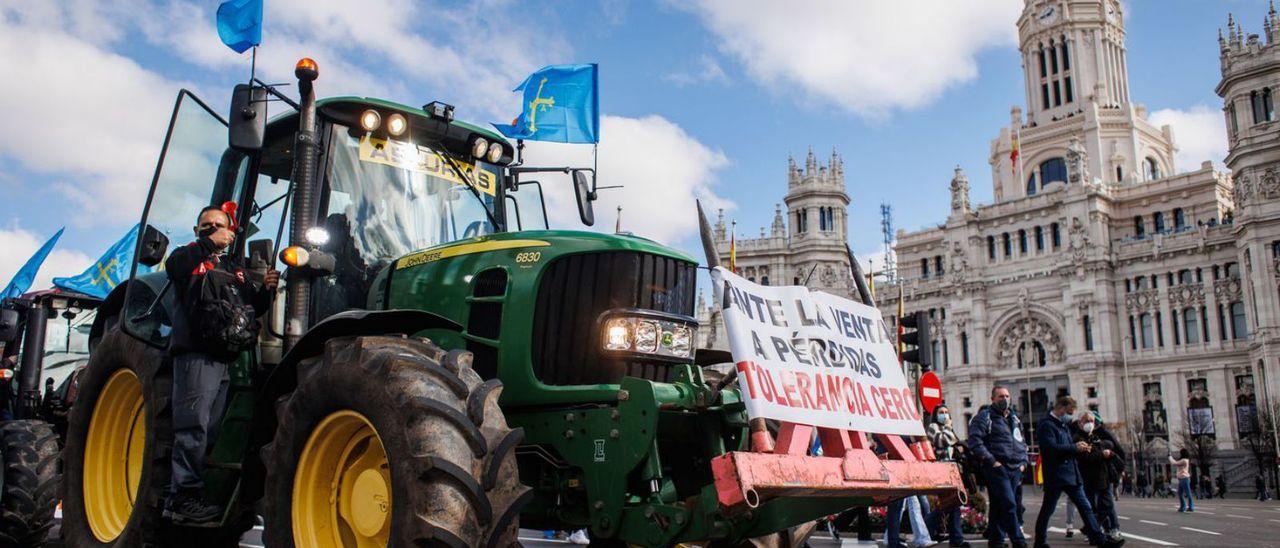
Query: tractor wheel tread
(31, 478)
(474, 439)
(505, 521)
(498, 455)
(480, 397)
(470, 487)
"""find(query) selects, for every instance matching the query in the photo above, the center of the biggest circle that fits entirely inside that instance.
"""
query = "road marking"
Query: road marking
(1152, 522)
(1194, 530)
(1239, 516)
(1127, 535)
(1204, 512)
(1123, 517)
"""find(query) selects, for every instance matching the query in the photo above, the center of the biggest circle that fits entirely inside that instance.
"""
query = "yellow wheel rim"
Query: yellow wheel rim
(342, 489)
(113, 455)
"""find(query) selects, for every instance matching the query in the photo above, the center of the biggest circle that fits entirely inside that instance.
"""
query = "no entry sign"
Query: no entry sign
(930, 391)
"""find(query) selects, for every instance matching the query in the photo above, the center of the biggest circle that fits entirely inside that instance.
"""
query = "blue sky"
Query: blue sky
(701, 99)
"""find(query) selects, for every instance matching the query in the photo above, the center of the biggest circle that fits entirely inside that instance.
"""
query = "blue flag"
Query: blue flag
(21, 281)
(561, 104)
(108, 271)
(240, 24)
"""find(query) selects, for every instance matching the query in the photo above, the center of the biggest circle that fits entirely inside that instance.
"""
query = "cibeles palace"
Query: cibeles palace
(1099, 256)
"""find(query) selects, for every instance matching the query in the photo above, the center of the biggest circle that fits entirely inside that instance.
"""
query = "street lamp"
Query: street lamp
(1124, 401)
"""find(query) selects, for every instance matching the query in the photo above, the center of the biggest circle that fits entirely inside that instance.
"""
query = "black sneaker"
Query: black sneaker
(192, 511)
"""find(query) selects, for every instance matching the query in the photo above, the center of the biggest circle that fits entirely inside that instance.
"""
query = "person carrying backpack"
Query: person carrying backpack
(215, 320)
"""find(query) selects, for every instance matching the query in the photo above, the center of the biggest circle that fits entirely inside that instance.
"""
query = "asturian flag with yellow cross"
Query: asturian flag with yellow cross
(108, 271)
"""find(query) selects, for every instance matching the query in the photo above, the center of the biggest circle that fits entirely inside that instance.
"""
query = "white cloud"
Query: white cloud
(1200, 133)
(706, 70)
(91, 118)
(661, 168)
(19, 245)
(867, 57)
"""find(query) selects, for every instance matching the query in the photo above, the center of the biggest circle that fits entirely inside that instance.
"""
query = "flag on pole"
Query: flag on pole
(561, 104)
(1013, 155)
(733, 252)
(21, 281)
(108, 271)
(617, 225)
(240, 24)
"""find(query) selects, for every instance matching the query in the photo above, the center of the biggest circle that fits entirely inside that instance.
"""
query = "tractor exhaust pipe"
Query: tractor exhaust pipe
(32, 362)
(305, 200)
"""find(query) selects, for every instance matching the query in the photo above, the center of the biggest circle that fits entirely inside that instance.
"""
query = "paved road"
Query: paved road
(1219, 523)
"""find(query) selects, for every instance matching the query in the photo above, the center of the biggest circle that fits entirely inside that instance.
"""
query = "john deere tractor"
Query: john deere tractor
(440, 369)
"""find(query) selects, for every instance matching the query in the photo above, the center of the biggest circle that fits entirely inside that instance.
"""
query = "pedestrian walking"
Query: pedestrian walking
(1186, 501)
(945, 444)
(1260, 487)
(1206, 487)
(1062, 474)
(1098, 468)
(995, 441)
(1222, 486)
(893, 522)
(1071, 522)
(1143, 483)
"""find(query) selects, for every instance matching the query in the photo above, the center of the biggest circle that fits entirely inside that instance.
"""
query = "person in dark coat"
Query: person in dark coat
(1099, 468)
(200, 369)
(995, 442)
(1058, 453)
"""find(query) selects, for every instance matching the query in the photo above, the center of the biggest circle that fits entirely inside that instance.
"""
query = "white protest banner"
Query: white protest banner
(814, 358)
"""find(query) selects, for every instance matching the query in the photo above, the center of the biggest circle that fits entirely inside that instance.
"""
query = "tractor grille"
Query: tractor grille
(573, 293)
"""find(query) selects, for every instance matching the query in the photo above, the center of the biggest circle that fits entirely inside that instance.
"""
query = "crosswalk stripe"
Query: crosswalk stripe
(1152, 522)
(1194, 530)
(1127, 535)
(1239, 516)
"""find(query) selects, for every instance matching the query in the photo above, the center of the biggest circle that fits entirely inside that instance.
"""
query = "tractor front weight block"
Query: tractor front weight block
(744, 480)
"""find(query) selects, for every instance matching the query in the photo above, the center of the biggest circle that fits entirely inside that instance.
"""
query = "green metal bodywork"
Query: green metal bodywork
(629, 460)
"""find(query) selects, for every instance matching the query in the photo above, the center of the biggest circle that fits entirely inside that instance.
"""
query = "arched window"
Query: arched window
(1053, 58)
(1054, 236)
(924, 268)
(1148, 338)
(1153, 169)
(1139, 227)
(1022, 242)
(937, 265)
(1268, 109)
(1039, 355)
(1052, 170)
(1043, 67)
(1008, 247)
(1190, 326)
(1239, 327)
(1235, 126)
(1255, 101)
(991, 247)
(1158, 221)
(1039, 238)
(764, 280)
(1119, 174)
(1031, 184)
(1066, 55)
(1179, 219)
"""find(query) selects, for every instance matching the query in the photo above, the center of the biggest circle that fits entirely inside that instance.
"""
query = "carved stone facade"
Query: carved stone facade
(1100, 271)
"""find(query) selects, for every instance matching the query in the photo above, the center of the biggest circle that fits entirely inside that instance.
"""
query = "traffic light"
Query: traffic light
(916, 339)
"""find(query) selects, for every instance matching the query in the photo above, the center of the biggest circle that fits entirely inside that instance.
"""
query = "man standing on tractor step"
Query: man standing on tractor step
(215, 320)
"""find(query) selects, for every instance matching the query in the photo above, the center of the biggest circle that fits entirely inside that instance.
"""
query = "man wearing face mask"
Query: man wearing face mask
(944, 439)
(218, 303)
(995, 441)
(1100, 467)
(1062, 474)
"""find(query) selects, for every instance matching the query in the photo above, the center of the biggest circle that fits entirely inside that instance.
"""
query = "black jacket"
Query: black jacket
(1057, 452)
(997, 438)
(184, 266)
(1097, 471)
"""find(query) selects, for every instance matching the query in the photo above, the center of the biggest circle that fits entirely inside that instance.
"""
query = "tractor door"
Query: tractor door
(195, 169)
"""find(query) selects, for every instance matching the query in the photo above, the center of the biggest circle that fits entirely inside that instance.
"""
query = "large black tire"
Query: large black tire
(31, 476)
(450, 454)
(145, 526)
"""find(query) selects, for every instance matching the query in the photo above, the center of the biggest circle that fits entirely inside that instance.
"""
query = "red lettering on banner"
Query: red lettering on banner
(876, 400)
(897, 404)
(744, 371)
(833, 391)
(864, 405)
(848, 387)
(789, 390)
(778, 396)
(766, 387)
(820, 393)
(804, 384)
(908, 399)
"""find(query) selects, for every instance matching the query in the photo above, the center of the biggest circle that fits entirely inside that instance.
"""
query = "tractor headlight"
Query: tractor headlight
(617, 334)
(479, 147)
(370, 120)
(396, 124)
(650, 334)
(495, 152)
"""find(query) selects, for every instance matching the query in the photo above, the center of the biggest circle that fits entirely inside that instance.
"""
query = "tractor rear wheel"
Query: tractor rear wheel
(117, 453)
(391, 441)
(29, 450)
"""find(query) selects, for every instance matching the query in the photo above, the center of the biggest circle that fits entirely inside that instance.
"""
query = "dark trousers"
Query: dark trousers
(1004, 485)
(1076, 494)
(1104, 508)
(199, 395)
(955, 528)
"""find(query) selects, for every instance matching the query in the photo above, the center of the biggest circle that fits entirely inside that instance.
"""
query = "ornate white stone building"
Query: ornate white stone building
(1101, 270)
(811, 253)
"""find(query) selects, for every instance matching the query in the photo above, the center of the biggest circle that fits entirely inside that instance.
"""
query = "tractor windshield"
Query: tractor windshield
(390, 198)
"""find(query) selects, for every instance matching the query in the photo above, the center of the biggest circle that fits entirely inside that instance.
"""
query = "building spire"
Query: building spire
(779, 229)
(720, 226)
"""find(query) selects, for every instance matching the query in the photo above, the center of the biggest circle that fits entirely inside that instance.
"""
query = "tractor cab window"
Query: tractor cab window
(66, 343)
(526, 208)
(389, 198)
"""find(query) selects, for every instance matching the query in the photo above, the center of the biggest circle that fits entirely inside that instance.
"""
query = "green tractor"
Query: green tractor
(46, 336)
(440, 369)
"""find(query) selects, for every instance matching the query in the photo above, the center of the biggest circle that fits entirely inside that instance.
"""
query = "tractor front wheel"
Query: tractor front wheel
(29, 496)
(391, 441)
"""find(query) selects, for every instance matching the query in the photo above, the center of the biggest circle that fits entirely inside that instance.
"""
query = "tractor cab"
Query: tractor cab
(46, 336)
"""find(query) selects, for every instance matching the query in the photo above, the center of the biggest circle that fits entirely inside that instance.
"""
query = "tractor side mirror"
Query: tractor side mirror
(152, 246)
(248, 118)
(9, 325)
(582, 191)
